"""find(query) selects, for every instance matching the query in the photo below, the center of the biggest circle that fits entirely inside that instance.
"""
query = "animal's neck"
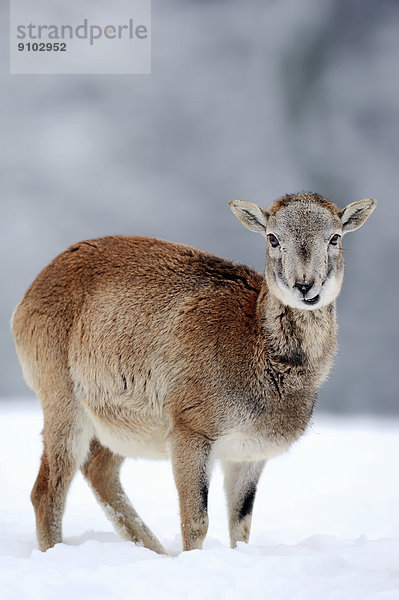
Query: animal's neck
(295, 352)
(298, 338)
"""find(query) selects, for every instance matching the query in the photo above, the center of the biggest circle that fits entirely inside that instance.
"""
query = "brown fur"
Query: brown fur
(302, 197)
(140, 347)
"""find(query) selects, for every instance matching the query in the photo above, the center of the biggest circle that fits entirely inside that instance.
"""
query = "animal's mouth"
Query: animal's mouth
(311, 300)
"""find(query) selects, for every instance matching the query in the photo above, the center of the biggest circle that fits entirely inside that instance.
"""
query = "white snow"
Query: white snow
(325, 525)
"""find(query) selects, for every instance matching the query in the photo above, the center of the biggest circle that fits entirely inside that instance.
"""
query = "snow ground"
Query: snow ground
(325, 525)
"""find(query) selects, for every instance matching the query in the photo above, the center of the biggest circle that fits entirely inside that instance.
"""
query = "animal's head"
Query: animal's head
(305, 263)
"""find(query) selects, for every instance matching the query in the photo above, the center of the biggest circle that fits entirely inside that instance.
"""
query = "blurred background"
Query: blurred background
(246, 100)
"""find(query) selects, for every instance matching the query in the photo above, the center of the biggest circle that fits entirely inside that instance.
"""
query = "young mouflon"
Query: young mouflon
(141, 347)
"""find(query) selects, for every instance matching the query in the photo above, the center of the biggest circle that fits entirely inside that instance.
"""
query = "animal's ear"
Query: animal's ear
(355, 214)
(250, 215)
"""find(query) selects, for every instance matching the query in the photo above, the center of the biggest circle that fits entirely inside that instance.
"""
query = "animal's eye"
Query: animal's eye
(273, 240)
(334, 239)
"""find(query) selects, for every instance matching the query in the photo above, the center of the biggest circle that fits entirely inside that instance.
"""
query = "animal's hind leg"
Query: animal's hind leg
(101, 470)
(48, 498)
(65, 444)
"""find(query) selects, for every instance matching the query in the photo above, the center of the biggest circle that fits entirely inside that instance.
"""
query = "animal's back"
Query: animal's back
(132, 323)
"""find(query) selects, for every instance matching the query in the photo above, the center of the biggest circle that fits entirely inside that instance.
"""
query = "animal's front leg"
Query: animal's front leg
(191, 469)
(240, 482)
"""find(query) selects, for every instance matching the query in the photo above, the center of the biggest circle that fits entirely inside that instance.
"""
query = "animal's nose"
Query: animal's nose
(304, 287)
